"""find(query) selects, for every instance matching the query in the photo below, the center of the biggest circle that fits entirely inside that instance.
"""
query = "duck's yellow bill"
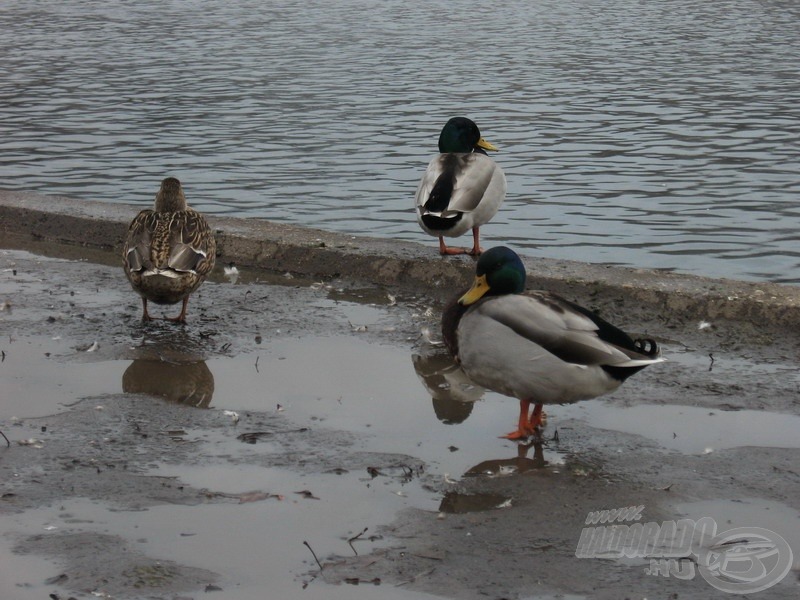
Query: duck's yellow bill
(482, 143)
(476, 292)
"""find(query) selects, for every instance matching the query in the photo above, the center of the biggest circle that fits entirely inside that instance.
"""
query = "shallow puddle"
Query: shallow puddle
(405, 402)
(44, 375)
(457, 503)
(336, 383)
(257, 546)
(379, 392)
(394, 401)
(748, 512)
(689, 429)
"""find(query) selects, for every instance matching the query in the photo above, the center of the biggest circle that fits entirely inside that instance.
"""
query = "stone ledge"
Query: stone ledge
(314, 253)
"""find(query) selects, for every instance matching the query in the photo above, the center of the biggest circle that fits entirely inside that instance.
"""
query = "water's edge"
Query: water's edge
(314, 253)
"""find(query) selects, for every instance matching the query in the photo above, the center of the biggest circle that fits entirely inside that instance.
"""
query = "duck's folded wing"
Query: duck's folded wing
(427, 182)
(473, 177)
(555, 327)
(137, 242)
(192, 245)
(455, 183)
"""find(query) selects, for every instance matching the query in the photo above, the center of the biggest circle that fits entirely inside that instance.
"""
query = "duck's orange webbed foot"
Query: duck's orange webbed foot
(528, 426)
(516, 435)
(445, 251)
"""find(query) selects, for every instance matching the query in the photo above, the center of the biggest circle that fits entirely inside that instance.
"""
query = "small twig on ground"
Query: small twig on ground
(8, 443)
(426, 556)
(307, 545)
(354, 538)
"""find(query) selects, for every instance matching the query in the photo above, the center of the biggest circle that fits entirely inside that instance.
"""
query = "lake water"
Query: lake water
(654, 133)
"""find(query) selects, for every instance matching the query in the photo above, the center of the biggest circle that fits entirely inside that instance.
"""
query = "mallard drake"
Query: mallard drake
(536, 346)
(462, 188)
(168, 251)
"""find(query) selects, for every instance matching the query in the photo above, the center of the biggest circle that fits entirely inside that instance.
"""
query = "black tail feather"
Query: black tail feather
(647, 346)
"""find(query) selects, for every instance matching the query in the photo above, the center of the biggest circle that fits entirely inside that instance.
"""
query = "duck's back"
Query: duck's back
(536, 345)
(456, 185)
(167, 255)
(181, 241)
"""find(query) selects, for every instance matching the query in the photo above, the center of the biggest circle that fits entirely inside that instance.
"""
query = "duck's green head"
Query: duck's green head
(462, 135)
(499, 271)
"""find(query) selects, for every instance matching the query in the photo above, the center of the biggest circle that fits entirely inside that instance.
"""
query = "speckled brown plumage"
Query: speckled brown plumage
(168, 251)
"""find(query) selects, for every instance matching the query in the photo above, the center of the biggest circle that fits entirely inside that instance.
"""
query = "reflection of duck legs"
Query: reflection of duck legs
(520, 463)
(535, 462)
(528, 425)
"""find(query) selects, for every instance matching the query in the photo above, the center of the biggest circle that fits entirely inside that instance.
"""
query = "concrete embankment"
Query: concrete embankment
(314, 253)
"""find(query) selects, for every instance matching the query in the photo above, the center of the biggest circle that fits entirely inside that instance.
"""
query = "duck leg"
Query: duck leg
(524, 424)
(181, 318)
(145, 315)
(476, 246)
(538, 417)
(528, 426)
(444, 250)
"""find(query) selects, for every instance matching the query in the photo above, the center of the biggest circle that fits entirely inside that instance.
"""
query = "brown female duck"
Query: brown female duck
(168, 251)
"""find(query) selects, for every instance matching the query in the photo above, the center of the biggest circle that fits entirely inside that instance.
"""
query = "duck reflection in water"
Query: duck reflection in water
(190, 383)
(455, 501)
(454, 395)
(452, 392)
(519, 464)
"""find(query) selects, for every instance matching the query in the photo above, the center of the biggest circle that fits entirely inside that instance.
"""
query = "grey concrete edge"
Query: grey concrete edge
(318, 254)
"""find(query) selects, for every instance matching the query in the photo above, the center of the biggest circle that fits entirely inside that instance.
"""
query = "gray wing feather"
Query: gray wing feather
(472, 179)
(473, 174)
(192, 243)
(543, 321)
(138, 241)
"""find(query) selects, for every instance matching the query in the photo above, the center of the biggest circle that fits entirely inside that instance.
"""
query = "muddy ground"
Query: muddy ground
(353, 466)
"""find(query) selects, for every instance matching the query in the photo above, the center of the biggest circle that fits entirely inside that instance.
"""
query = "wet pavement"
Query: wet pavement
(310, 438)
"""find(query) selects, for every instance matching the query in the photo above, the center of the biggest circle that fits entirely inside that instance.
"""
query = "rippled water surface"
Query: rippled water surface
(661, 134)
